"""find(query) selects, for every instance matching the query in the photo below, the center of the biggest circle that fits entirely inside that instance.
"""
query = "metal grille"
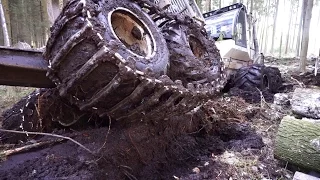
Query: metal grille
(186, 7)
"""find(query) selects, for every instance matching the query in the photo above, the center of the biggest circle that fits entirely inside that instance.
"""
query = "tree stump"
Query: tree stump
(298, 142)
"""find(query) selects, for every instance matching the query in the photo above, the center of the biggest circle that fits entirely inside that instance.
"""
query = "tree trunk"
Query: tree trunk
(266, 30)
(298, 142)
(316, 38)
(305, 35)
(53, 10)
(266, 40)
(263, 27)
(280, 47)
(295, 28)
(274, 25)
(4, 26)
(6, 9)
(288, 32)
(300, 27)
(208, 5)
(220, 3)
(43, 18)
(255, 40)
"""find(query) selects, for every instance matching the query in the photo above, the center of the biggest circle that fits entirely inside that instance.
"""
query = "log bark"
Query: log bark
(306, 102)
(298, 142)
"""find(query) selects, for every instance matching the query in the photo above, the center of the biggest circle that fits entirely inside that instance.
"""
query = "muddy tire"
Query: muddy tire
(257, 76)
(193, 57)
(102, 53)
(40, 111)
(121, 24)
(126, 22)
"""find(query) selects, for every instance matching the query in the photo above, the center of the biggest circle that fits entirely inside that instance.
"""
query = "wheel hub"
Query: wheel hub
(132, 32)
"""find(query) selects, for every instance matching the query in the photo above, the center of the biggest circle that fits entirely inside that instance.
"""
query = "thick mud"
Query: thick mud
(143, 150)
(42, 111)
(308, 79)
(252, 95)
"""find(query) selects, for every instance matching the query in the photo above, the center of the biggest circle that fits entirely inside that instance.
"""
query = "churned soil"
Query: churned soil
(227, 137)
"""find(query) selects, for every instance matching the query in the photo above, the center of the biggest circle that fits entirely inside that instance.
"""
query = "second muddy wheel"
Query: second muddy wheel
(97, 48)
(257, 76)
(193, 57)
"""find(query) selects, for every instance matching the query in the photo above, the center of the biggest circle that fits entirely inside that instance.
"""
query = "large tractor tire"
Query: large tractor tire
(257, 76)
(109, 58)
(102, 51)
(193, 57)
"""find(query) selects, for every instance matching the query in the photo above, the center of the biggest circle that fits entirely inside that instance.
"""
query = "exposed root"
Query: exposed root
(105, 141)
(301, 84)
(27, 147)
(52, 135)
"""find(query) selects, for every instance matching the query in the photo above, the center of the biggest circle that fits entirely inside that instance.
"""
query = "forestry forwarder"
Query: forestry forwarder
(136, 59)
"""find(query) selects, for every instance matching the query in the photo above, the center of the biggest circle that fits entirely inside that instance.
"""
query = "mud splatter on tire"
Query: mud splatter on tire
(193, 57)
(93, 61)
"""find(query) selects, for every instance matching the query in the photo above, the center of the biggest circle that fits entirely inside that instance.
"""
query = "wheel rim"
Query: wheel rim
(132, 32)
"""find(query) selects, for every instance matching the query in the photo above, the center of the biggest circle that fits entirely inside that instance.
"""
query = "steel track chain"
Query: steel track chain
(151, 98)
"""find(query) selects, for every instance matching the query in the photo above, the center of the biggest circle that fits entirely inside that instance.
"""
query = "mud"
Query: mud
(252, 95)
(145, 147)
(43, 111)
(142, 150)
(308, 79)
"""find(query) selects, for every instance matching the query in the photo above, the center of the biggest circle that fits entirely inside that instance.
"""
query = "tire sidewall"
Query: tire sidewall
(274, 79)
(158, 61)
(181, 51)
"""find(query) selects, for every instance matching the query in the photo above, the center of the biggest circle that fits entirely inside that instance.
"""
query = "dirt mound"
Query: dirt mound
(252, 95)
(143, 150)
(308, 79)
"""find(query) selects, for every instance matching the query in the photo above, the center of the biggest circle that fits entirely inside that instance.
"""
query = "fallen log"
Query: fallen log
(306, 102)
(298, 142)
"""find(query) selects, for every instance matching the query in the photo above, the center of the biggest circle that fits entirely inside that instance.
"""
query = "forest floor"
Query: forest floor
(240, 146)
(10, 95)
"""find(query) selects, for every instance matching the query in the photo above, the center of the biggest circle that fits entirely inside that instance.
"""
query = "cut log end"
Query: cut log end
(298, 142)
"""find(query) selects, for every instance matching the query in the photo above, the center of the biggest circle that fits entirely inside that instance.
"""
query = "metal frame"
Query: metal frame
(186, 7)
(20, 67)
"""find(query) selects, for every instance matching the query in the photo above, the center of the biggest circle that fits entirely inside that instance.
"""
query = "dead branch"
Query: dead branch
(129, 175)
(105, 141)
(262, 99)
(301, 84)
(28, 147)
(49, 134)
